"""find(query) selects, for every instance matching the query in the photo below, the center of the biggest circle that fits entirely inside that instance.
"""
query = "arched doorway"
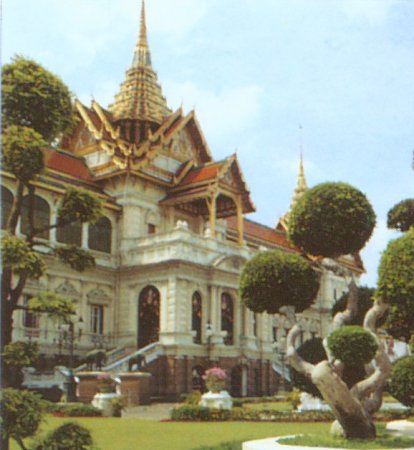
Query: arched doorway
(148, 316)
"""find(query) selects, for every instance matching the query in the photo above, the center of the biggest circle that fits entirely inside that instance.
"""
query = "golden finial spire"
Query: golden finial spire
(142, 56)
(140, 96)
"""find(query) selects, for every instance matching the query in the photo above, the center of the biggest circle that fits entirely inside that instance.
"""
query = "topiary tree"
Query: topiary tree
(69, 436)
(396, 285)
(273, 279)
(401, 216)
(401, 384)
(22, 412)
(36, 111)
(331, 219)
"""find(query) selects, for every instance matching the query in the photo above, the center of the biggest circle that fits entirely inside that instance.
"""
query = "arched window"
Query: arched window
(41, 216)
(227, 318)
(100, 235)
(148, 316)
(6, 206)
(70, 234)
(196, 317)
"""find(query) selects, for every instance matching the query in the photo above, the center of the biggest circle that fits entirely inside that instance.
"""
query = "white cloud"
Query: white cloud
(375, 12)
(221, 113)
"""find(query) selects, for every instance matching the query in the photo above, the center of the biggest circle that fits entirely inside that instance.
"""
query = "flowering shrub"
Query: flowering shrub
(215, 379)
(106, 383)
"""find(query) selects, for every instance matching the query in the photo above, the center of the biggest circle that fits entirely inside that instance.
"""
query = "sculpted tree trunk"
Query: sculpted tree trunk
(353, 407)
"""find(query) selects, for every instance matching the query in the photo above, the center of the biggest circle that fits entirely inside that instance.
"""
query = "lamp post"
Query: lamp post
(209, 333)
(69, 336)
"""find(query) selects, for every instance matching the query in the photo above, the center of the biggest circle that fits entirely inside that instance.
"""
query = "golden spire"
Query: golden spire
(300, 189)
(142, 56)
(140, 96)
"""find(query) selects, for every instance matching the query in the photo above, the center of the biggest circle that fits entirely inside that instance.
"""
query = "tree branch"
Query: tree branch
(292, 355)
(343, 317)
(16, 209)
(369, 390)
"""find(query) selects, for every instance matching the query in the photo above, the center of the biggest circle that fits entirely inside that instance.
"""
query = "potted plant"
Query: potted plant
(103, 400)
(215, 379)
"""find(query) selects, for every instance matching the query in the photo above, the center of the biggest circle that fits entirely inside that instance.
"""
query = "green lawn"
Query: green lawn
(133, 434)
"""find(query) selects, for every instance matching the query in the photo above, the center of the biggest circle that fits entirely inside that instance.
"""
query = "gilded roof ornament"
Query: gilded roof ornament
(140, 96)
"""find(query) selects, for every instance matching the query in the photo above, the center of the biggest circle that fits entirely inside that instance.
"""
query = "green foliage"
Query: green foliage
(353, 345)
(396, 273)
(17, 255)
(77, 204)
(22, 152)
(201, 414)
(77, 258)
(401, 216)
(20, 354)
(365, 302)
(56, 306)
(69, 436)
(74, 410)
(274, 279)
(313, 352)
(193, 398)
(35, 98)
(331, 219)
(22, 413)
(118, 404)
(401, 383)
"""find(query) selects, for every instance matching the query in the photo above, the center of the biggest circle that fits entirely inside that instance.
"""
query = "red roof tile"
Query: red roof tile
(67, 164)
(258, 231)
(202, 174)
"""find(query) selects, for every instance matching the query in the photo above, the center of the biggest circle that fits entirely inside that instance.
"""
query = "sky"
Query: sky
(267, 78)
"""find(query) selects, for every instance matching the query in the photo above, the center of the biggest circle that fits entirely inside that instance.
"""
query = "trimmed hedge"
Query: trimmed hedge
(73, 410)
(274, 279)
(401, 384)
(189, 413)
(331, 219)
(353, 345)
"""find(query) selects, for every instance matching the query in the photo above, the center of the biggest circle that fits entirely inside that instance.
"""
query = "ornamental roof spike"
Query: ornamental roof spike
(140, 96)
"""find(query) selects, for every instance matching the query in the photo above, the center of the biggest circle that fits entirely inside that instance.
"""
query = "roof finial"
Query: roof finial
(142, 57)
(143, 27)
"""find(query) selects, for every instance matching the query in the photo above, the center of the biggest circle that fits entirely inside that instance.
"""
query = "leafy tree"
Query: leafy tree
(331, 219)
(69, 436)
(37, 109)
(401, 216)
(35, 98)
(274, 279)
(402, 381)
(16, 356)
(22, 413)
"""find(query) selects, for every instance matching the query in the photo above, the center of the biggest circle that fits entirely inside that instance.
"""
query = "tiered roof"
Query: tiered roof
(140, 96)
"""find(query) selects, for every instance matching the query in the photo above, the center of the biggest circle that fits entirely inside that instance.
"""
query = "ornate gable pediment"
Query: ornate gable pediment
(98, 295)
(67, 290)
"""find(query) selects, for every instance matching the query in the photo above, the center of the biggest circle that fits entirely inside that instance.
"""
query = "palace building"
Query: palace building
(169, 249)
